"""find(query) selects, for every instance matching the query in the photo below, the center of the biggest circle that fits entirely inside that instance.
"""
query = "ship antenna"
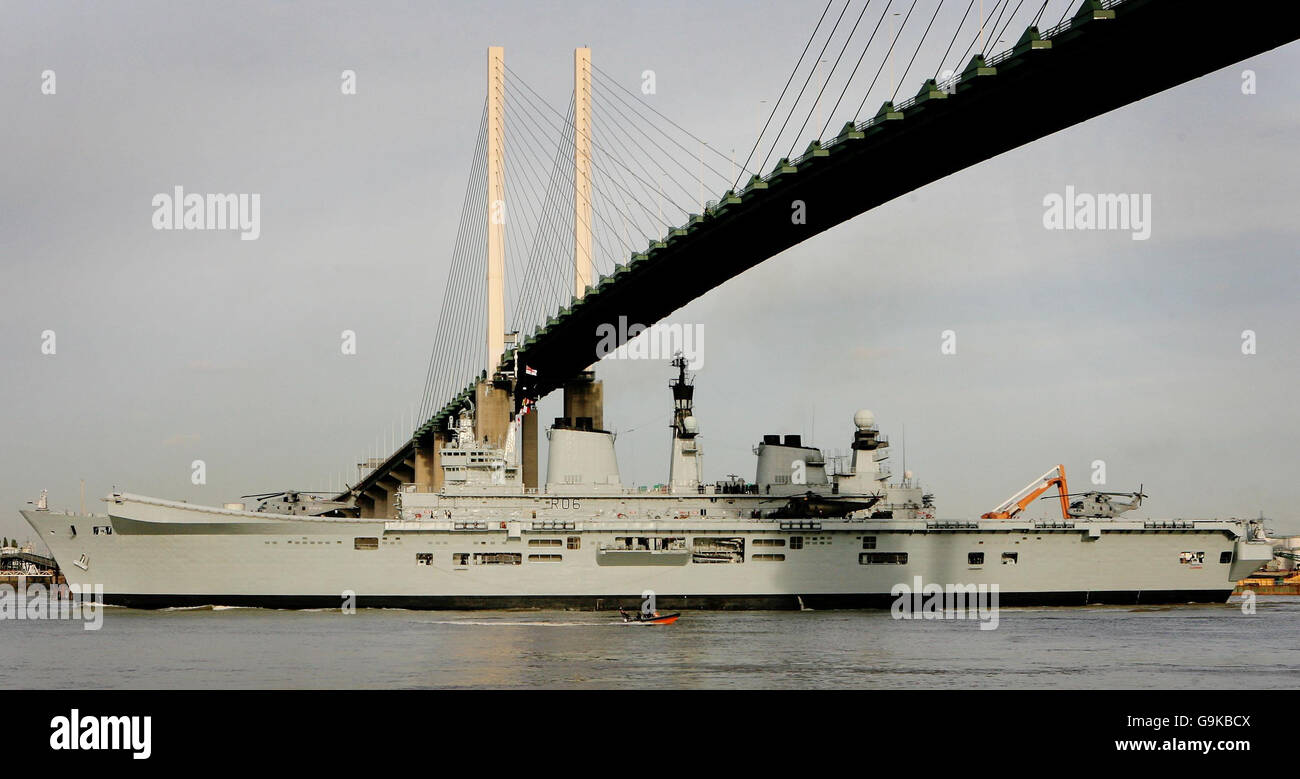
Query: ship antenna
(902, 446)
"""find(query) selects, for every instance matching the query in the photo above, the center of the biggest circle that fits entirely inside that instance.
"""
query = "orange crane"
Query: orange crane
(1017, 503)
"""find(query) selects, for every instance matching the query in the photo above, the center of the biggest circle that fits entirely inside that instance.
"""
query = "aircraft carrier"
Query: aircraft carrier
(804, 533)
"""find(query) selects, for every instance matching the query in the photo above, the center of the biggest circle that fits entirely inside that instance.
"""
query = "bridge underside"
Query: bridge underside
(1094, 67)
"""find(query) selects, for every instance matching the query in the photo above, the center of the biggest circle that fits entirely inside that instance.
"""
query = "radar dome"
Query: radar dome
(907, 475)
(864, 419)
(690, 425)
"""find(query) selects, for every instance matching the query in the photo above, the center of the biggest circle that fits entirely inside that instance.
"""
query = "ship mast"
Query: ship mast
(685, 466)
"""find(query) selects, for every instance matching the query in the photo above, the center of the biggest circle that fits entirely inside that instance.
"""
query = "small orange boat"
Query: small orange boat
(649, 619)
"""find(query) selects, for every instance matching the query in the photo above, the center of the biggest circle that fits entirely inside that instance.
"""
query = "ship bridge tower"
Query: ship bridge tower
(867, 470)
(686, 467)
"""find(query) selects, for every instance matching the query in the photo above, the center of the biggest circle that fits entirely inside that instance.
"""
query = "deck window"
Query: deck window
(647, 543)
(575, 542)
(882, 558)
(975, 558)
(768, 542)
(497, 558)
(365, 543)
(868, 542)
(1010, 558)
(712, 549)
(545, 542)
(1225, 557)
(796, 542)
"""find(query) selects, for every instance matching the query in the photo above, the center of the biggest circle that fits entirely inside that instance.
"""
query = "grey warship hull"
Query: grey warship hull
(148, 553)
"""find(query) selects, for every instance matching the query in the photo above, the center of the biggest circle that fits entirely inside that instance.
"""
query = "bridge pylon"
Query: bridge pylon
(584, 395)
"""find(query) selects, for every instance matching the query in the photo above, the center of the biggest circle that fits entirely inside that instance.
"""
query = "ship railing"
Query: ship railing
(657, 489)
(553, 524)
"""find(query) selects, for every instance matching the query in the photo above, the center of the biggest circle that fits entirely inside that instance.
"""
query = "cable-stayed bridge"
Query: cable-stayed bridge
(613, 210)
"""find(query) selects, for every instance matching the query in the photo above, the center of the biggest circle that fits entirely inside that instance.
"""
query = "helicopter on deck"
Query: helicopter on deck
(1102, 504)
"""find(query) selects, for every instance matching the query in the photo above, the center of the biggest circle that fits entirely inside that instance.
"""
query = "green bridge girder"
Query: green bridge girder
(1106, 56)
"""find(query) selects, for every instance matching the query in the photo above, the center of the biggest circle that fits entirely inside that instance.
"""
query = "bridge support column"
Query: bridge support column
(528, 455)
(584, 396)
(374, 502)
(428, 463)
(493, 410)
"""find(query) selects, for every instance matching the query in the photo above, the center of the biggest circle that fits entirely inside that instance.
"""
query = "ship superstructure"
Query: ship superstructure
(798, 535)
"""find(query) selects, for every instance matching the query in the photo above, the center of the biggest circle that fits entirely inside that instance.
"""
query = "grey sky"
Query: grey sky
(176, 346)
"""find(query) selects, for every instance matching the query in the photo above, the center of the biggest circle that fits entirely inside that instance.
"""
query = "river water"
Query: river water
(1184, 647)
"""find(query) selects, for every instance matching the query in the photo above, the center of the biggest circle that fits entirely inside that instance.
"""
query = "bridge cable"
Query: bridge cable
(437, 354)
(626, 189)
(549, 244)
(467, 316)
(458, 249)
(974, 39)
(652, 191)
(535, 255)
(817, 100)
(663, 170)
(637, 124)
(1068, 6)
(1039, 15)
(548, 106)
(811, 71)
(1001, 8)
(686, 132)
(569, 174)
(884, 61)
(955, 33)
(601, 238)
(759, 139)
(831, 116)
(997, 36)
(665, 152)
(912, 61)
(545, 257)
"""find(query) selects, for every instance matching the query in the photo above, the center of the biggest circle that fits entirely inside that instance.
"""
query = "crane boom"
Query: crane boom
(1017, 503)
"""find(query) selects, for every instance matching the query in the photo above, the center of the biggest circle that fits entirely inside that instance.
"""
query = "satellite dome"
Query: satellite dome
(690, 425)
(864, 419)
(907, 475)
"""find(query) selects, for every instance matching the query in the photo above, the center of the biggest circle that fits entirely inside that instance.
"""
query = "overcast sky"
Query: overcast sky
(175, 346)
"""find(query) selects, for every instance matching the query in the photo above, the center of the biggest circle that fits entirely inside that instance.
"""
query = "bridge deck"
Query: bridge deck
(1093, 66)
